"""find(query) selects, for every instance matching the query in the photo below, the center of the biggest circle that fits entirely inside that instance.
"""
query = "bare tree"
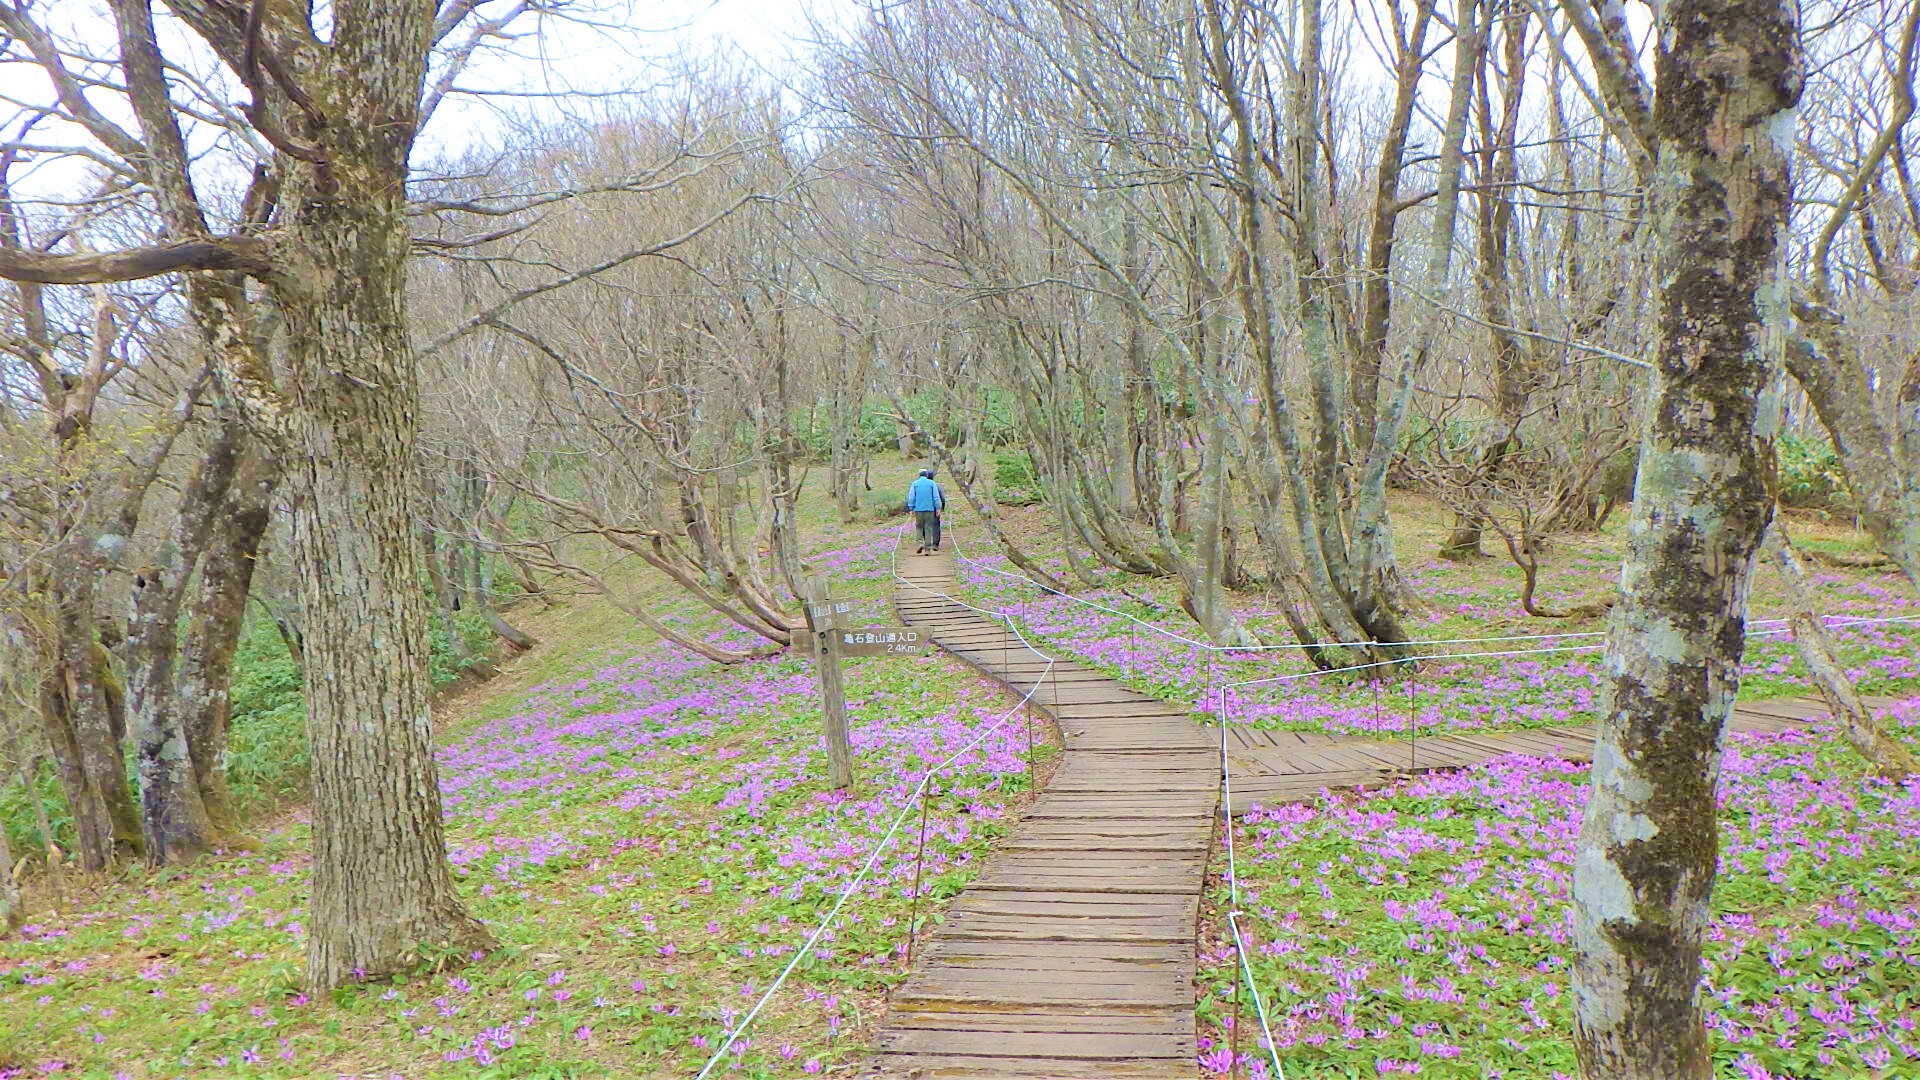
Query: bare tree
(1870, 406)
(324, 230)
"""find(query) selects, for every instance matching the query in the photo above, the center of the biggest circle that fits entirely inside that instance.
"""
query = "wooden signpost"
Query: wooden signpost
(828, 641)
(880, 641)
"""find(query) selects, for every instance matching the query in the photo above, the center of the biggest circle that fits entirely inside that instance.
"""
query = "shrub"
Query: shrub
(1014, 480)
(880, 506)
(1810, 475)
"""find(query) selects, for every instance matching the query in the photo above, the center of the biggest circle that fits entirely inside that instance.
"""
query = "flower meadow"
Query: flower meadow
(649, 838)
(1424, 928)
(1875, 626)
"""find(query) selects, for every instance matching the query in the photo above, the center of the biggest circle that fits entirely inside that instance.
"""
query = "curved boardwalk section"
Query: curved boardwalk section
(1072, 954)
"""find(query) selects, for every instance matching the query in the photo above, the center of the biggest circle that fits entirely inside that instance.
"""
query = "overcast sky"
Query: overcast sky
(563, 59)
(770, 34)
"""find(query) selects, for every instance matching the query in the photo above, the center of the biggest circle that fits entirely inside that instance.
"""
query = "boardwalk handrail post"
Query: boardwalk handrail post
(1006, 659)
(1413, 737)
(1239, 990)
(1033, 782)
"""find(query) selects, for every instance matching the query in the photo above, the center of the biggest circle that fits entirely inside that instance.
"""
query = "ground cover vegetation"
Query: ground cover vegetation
(648, 835)
(1468, 608)
(343, 355)
(1423, 928)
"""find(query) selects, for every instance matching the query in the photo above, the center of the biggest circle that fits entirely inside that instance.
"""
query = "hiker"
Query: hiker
(926, 500)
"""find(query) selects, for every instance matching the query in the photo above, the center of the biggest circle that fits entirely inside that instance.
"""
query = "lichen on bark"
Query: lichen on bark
(1728, 76)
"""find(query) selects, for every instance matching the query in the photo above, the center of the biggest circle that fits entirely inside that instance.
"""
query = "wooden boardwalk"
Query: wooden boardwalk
(1275, 767)
(1072, 954)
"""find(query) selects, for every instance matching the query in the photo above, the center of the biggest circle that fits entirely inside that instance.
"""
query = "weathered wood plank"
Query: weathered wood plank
(1099, 1045)
(959, 1067)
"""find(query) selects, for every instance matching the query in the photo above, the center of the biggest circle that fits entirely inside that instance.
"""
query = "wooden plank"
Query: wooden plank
(1059, 955)
(1115, 987)
(1031, 928)
(1782, 708)
(1078, 904)
(1057, 1021)
(1130, 829)
(1029, 1044)
(960, 1067)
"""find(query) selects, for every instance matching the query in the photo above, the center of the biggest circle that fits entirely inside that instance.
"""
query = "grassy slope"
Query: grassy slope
(646, 833)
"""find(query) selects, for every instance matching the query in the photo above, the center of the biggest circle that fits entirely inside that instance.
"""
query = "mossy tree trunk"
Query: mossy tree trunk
(215, 615)
(173, 816)
(1728, 76)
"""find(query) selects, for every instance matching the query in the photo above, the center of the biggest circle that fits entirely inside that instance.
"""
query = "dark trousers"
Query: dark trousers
(928, 523)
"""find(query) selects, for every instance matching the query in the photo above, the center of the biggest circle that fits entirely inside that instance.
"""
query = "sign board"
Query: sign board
(880, 641)
(824, 612)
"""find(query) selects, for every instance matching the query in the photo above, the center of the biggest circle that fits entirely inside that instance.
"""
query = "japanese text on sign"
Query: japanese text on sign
(880, 641)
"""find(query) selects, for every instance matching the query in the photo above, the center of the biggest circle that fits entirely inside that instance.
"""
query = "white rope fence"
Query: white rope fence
(873, 858)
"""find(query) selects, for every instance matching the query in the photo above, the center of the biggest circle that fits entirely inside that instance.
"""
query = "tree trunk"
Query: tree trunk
(12, 914)
(445, 594)
(1882, 465)
(382, 890)
(382, 893)
(1376, 293)
(1499, 174)
(1372, 575)
(1203, 577)
(516, 638)
(85, 746)
(1729, 77)
(216, 614)
(173, 816)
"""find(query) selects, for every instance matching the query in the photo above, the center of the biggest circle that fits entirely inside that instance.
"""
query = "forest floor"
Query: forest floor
(1423, 927)
(649, 837)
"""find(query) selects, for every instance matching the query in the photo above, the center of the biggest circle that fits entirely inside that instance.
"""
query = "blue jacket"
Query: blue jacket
(926, 495)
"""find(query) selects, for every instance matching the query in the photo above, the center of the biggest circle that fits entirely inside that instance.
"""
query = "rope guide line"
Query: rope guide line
(919, 792)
